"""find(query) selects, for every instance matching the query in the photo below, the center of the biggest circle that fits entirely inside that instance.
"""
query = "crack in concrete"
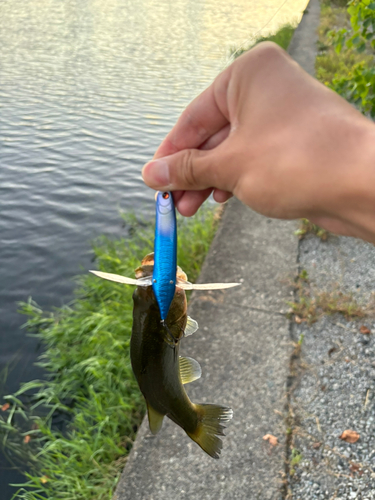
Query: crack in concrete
(291, 382)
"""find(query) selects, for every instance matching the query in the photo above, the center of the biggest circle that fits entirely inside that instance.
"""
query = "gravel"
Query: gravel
(335, 380)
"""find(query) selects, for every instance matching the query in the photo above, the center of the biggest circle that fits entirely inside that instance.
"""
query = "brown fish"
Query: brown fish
(160, 371)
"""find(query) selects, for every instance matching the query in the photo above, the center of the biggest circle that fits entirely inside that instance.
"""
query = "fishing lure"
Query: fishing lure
(165, 252)
(164, 277)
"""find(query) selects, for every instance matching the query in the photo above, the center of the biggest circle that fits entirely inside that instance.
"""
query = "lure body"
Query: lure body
(165, 253)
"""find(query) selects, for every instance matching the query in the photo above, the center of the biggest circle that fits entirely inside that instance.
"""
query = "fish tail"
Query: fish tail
(210, 425)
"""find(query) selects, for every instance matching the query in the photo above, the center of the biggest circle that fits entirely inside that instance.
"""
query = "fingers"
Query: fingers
(177, 195)
(221, 196)
(188, 202)
(216, 139)
(205, 116)
(191, 201)
(193, 169)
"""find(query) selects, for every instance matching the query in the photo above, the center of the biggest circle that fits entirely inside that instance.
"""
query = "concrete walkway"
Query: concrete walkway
(245, 346)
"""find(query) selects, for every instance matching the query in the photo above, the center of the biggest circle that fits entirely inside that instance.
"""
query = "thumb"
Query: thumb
(189, 169)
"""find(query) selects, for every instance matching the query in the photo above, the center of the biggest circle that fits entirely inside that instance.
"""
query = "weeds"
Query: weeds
(311, 305)
(282, 37)
(73, 431)
(307, 227)
(295, 459)
(330, 65)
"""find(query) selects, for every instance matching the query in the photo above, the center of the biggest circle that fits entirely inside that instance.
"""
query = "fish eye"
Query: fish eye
(165, 195)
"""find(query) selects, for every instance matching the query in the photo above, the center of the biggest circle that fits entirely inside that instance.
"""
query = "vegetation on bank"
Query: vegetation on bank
(311, 304)
(282, 37)
(346, 51)
(73, 431)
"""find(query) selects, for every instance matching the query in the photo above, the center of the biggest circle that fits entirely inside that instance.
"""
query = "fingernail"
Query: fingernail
(156, 173)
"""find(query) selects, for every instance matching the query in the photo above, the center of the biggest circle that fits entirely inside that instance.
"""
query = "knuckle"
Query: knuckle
(266, 54)
(188, 171)
(270, 50)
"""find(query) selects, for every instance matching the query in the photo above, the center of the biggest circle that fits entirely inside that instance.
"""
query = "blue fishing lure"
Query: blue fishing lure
(165, 252)
(164, 278)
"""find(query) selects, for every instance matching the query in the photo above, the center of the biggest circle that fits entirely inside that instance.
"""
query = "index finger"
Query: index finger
(203, 117)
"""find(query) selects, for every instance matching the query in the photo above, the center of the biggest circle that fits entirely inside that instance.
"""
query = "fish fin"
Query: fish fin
(149, 259)
(191, 326)
(155, 419)
(210, 426)
(186, 285)
(123, 279)
(190, 370)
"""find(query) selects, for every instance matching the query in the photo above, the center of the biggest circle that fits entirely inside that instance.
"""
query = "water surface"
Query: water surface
(87, 91)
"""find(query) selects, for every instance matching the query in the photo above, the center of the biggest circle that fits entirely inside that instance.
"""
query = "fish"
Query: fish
(160, 321)
(161, 372)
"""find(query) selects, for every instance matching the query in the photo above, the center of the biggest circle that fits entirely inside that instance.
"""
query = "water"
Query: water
(87, 91)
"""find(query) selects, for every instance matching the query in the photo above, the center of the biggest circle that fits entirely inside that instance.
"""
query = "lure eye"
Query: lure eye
(165, 195)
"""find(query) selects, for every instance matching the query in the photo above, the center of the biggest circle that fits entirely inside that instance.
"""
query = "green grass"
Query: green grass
(307, 227)
(74, 430)
(329, 64)
(295, 459)
(282, 37)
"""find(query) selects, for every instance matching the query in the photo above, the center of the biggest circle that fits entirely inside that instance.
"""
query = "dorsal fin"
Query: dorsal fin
(191, 326)
(190, 370)
(155, 419)
(149, 259)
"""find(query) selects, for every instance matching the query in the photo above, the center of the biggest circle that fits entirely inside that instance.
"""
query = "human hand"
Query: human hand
(277, 139)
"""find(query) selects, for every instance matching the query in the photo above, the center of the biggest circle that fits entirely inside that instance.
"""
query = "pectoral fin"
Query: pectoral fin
(191, 326)
(190, 370)
(123, 279)
(186, 285)
(155, 419)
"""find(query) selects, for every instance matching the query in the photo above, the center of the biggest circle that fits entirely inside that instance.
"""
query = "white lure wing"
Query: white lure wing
(123, 279)
(186, 285)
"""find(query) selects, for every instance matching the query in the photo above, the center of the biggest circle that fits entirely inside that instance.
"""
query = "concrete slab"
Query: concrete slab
(303, 46)
(244, 352)
(240, 371)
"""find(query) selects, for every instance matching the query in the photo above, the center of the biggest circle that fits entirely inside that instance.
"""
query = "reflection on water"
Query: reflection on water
(88, 88)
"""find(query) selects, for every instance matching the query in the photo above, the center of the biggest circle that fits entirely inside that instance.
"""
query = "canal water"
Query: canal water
(88, 88)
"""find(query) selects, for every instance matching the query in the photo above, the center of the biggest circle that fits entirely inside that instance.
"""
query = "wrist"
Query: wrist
(356, 181)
